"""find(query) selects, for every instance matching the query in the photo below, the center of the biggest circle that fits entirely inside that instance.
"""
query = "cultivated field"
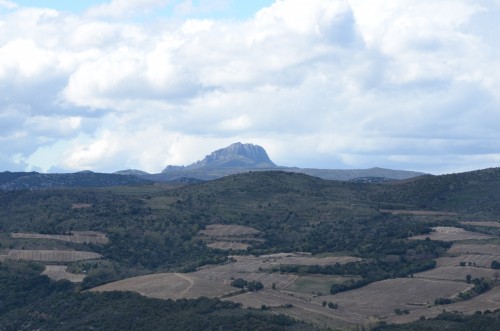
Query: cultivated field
(258, 268)
(303, 296)
(51, 255)
(78, 237)
(474, 249)
(59, 272)
(170, 286)
(316, 284)
(445, 233)
(380, 299)
(485, 224)
(488, 300)
(227, 245)
(476, 260)
(81, 205)
(456, 273)
(417, 212)
(222, 230)
(303, 308)
(221, 236)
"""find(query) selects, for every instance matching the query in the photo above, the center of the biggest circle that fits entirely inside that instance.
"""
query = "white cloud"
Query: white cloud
(121, 8)
(8, 4)
(324, 83)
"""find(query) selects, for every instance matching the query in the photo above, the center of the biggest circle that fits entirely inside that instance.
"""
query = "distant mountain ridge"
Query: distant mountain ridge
(234, 159)
(240, 158)
(35, 180)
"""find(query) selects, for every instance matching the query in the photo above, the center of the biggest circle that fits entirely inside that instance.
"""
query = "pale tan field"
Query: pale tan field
(452, 234)
(379, 299)
(223, 230)
(227, 245)
(87, 237)
(222, 236)
(456, 273)
(366, 305)
(486, 224)
(304, 308)
(474, 249)
(58, 272)
(169, 286)
(257, 268)
(488, 300)
(417, 212)
(81, 205)
(477, 260)
(51, 255)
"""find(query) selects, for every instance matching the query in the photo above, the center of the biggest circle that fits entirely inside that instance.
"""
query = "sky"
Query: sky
(339, 84)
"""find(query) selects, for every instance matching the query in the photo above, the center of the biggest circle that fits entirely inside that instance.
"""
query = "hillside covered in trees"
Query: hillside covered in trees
(155, 228)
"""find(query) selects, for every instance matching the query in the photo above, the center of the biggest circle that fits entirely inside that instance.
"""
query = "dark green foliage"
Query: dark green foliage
(449, 321)
(481, 285)
(443, 301)
(475, 192)
(239, 283)
(332, 305)
(249, 285)
(20, 283)
(495, 264)
(398, 311)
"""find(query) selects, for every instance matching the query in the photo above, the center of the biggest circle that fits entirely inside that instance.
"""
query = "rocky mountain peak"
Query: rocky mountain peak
(236, 155)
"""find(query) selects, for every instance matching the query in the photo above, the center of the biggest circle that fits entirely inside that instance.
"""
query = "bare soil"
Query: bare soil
(59, 272)
(81, 205)
(82, 237)
(417, 212)
(169, 286)
(474, 249)
(226, 245)
(51, 255)
(485, 224)
(223, 230)
(452, 234)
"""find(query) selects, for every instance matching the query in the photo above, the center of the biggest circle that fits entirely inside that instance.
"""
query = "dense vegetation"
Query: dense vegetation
(151, 228)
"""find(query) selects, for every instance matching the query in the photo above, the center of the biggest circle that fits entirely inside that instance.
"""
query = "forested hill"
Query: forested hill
(152, 229)
(34, 180)
(474, 192)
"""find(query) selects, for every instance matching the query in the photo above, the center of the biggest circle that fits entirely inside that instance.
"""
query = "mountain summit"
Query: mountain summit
(237, 155)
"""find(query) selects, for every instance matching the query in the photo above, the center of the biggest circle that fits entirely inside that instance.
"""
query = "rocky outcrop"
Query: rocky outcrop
(237, 155)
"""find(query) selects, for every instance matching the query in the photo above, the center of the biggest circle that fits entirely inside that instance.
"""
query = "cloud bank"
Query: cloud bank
(323, 83)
